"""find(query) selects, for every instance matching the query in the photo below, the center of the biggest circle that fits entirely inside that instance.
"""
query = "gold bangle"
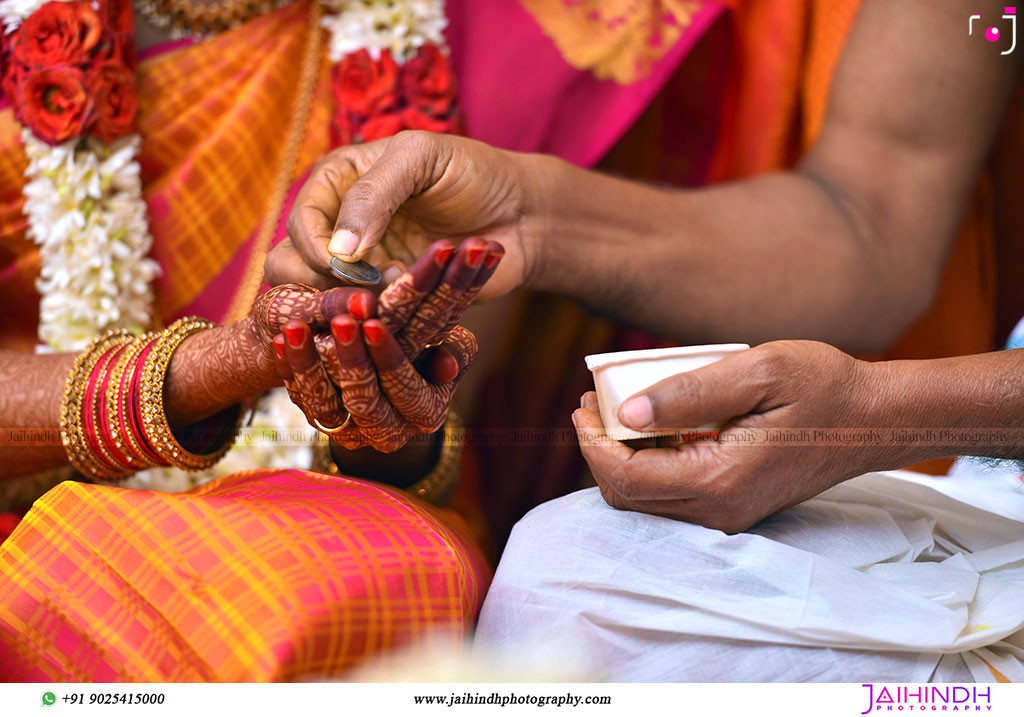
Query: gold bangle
(437, 486)
(154, 418)
(72, 430)
(117, 406)
(434, 487)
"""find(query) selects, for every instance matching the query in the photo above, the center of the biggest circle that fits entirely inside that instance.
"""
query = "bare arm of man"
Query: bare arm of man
(847, 248)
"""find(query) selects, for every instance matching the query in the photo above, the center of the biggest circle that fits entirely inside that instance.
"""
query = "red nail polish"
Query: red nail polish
(296, 335)
(475, 256)
(492, 260)
(373, 333)
(443, 255)
(345, 331)
(279, 346)
(358, 305)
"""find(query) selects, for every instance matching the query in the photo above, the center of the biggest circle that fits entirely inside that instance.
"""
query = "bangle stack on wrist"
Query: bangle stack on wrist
(112, 416)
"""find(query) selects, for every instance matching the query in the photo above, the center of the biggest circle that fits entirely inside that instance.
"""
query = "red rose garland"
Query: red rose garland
(378, 98)
(66, 76)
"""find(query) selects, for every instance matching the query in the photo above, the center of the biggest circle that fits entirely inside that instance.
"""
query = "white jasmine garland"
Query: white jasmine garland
(85, 210)
(400, 26)
(14, 12)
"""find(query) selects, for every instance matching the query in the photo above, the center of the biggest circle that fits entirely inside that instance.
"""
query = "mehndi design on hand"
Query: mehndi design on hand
(387, 398)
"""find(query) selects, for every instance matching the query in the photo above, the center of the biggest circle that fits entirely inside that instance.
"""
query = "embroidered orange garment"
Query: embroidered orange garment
(617, 40)
(265, 575)
(212, 117)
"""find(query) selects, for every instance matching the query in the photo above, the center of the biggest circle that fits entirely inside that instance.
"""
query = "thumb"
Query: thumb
(710, 394)
(408, 166)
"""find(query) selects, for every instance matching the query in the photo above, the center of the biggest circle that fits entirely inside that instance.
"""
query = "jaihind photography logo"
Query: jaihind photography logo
(994, 34)
(927, 698)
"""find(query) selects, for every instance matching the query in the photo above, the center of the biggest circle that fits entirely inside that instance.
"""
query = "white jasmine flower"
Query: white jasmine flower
(85, 210)
(15, 12)
(400, 26)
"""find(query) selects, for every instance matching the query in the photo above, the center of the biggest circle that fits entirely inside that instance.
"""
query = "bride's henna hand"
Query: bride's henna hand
(389, 399)
(281, 304)
(309, 378)
(399, 300)
(420, 403)
(426, 303)
(495, 253)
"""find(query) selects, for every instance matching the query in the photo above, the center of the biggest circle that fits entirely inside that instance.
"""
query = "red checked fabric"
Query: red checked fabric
(264, 575)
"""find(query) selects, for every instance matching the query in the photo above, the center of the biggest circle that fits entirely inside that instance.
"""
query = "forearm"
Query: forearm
(770, 257)
(970, 405)
(209, 372)
(31, 388)
(214, 369)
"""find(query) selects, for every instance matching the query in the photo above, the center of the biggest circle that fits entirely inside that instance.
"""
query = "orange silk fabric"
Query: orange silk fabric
(785, 55)
(260, 576)
(213, 119)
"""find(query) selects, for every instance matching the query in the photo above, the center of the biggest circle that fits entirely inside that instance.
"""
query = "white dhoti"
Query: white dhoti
(892, 577)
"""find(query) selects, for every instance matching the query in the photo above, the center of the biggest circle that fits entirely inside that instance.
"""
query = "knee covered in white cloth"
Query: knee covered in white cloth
(871, 581)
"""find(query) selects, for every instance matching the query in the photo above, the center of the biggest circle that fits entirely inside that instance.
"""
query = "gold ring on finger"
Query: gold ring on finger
(321, 427)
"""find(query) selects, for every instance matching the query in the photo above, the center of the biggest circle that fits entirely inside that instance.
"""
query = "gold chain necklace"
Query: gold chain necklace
(194, 18)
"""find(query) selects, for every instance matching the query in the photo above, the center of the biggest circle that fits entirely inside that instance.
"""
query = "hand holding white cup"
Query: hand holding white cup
(619, 376)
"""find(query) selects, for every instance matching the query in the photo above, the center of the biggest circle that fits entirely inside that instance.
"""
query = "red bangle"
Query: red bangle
(134, 445)
(92, 427)
(109, 434)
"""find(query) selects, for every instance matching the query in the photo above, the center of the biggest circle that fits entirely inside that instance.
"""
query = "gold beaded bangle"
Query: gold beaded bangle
(117, 406)
(154, 419)
(72, 431)
(437, 486)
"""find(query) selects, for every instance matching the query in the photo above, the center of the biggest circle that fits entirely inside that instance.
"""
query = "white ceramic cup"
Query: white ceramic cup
(619, 375)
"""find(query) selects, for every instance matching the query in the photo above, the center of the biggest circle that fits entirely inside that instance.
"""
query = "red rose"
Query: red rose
(428, 83)
(380, 127)
(54, 103)
(9, 82)
(113, 90)
(343, 129)
(414, 119)
(58, 33)
(9, 70)
(363, 86)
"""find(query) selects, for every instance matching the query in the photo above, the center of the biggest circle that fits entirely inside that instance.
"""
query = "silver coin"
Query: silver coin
(360, 272)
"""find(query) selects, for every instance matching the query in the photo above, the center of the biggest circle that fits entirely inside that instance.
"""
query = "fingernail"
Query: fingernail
(374, 334)
(343, 243)
(391, 275)
(637, 412)
(443, 255)
(279, 346)
(296, 334)
(573, 416)
(344, 331)
(475, 256)
(583, 401)
(492, 260)
(359, 305)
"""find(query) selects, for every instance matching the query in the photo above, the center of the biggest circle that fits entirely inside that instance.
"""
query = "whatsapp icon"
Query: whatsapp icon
(49, 698)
